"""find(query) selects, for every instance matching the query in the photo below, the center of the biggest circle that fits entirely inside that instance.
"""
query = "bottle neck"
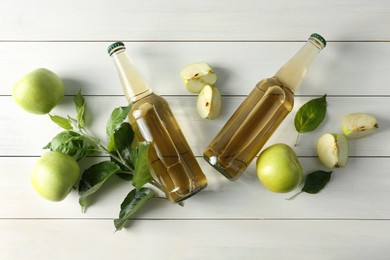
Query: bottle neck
(134, 85)
(292, 73)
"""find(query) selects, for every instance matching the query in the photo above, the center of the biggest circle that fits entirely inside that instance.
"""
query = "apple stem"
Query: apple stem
(292, 197)
(296, 140)
(157, 185)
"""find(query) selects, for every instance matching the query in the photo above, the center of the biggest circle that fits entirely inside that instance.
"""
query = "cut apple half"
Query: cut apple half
(333, 150)
(197, 75)
(209, 102)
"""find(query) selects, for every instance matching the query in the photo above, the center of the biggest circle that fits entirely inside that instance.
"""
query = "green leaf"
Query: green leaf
(79, 102)
(141, 174)
(117, 117)
(73, 144)
(310, 115)
(126, 172)
(93, 178)
(61, 122)
(131, 204)
(123, 138)
(125, 176)
(314, 182)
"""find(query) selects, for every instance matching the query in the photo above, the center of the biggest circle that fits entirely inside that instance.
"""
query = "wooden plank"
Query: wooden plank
(224, 239)
(175, 20)
(359, 191)
(342, 68)
(25, 134)
(244, 41)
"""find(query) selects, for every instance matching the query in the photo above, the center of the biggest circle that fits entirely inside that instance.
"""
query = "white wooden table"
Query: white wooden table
(244, 41)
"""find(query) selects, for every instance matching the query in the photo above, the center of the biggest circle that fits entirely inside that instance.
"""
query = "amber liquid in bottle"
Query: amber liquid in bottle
(250, 127)
(260, 114)
(172, 162)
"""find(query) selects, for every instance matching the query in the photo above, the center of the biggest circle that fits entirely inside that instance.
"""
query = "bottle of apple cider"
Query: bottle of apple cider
(173, 164)
(255, 120)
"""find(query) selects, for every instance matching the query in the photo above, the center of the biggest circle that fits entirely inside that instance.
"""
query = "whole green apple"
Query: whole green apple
(39, 91)
(54, 175)
(279, 169)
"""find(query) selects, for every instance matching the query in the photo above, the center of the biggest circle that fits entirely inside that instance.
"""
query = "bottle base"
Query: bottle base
(213, 161)
(173, 197)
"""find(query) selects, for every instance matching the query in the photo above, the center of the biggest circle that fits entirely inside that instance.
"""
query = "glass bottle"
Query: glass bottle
(263, 110)
(172, 162)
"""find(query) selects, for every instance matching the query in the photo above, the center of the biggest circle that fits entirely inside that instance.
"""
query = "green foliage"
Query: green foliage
(74, 144)
(79, 102)
(131, 204)
(93, 178)
(127, 160)
(61, 122)
(114, 123)
(314, 182)
(310, 115)
(141, 174)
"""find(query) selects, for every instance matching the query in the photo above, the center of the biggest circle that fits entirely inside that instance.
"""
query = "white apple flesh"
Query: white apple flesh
(209, 103)
(333, 150)
(357, 125)
(197, 75)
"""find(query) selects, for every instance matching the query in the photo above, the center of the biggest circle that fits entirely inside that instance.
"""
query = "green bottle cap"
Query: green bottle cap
(319, 38)
(115, 46)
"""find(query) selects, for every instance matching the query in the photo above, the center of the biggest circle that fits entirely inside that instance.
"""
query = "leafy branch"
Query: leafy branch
(128, 161)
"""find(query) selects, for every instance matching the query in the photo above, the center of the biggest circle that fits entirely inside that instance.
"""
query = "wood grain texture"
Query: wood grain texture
(244, 41)
(342, 68)
(353, 193)
(183, 20)
(19, 140)
(222, 239)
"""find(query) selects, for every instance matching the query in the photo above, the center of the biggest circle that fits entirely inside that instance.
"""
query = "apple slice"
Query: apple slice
(333, 150)
(197, 75)
(209, 102)
(357, 125)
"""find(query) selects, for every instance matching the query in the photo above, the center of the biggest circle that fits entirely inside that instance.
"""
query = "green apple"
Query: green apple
(333, 150)
(209, 102)
(357, 125)
(197, 75)
(39, 91)
(278, 168)
(54, 175)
